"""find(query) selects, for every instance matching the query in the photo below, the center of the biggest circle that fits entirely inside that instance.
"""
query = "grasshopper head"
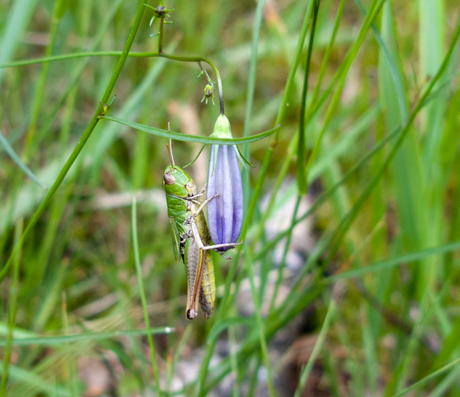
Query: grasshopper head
(177, 182)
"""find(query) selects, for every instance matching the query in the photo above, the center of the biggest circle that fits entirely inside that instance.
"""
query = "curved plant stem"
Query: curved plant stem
(221, 98)
(198, 59)
(177, 58)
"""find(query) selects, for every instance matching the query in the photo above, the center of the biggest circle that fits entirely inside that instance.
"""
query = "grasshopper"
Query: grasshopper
(191, 238)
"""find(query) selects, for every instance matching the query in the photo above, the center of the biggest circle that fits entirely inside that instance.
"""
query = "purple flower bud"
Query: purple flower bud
(225, 213)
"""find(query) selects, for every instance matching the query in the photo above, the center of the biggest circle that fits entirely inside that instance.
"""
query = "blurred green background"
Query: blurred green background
(364, 298)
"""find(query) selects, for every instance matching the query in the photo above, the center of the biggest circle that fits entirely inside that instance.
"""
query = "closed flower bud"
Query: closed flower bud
(225, 212)
(208, 93)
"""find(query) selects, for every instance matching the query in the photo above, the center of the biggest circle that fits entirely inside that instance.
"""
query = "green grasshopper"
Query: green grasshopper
(191, 238)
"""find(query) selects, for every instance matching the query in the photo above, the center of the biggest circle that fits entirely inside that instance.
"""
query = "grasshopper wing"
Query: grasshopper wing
(194, 261)
(175, 237)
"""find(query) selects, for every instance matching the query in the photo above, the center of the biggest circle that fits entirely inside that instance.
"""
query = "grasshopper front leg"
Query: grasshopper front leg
(200, 208)
(199, 194)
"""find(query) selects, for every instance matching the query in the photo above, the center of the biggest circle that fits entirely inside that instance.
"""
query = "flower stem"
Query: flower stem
(219, 82)
(160, 36)
(197, 59)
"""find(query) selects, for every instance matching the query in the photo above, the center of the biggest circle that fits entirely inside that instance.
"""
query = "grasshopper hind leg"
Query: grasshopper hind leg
(205, 304)
(190, 314)
(208, 286)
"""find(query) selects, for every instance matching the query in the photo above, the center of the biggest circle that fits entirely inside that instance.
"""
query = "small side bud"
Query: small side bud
(208, 93)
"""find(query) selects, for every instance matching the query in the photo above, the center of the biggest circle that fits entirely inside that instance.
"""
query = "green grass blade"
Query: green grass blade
(260, 324)
(428, 378)
(19, 162)
(346, 222)
(17, 21)
(12, 311)
(317, 348)
(56, 340)
(301, 171)
(137, 262)
(396, 261)
(258, 16)
(35, 382)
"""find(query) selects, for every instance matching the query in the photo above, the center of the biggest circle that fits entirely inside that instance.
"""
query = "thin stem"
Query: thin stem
(301, 150)
(205, 73)
(160, 36)
(208, 79)
(221, 95)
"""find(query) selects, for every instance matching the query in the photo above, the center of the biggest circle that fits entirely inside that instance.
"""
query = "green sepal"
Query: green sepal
(196, 158)
(245, 163)
(149, 6)
(222, 128)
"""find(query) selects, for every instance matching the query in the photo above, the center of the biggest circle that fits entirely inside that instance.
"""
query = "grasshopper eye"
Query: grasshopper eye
(169, 179)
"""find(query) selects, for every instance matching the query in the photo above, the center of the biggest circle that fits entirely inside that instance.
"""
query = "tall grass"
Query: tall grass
(367, 94)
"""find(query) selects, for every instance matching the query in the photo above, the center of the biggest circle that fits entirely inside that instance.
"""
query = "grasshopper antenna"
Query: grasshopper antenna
(170, 153)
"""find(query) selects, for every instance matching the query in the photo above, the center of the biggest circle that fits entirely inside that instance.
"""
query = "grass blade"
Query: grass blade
(19, 162)
(137, 262)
